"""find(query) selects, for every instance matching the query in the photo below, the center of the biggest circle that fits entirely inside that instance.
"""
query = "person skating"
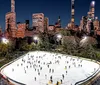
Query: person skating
(57, 83)
(50, 77)
(63, 76)
(49, 70)
(35, 78)
(61, 81)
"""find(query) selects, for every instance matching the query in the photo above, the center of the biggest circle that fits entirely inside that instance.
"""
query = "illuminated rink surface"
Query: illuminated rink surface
(33, 68)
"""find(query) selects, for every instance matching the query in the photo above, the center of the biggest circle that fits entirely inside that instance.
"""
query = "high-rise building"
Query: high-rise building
(11, 20)
(46, 24)
(21, 30)
(38, 21)
(72, 11)
(93, 9)
(96, 24)
(12, 5)
(71, 25)
(11, 23)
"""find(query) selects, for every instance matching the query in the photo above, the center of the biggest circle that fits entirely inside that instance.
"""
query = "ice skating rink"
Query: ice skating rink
(45, 68)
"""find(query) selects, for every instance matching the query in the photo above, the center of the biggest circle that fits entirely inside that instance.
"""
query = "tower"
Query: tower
(72, 11)
(12, 5)
(10, 19)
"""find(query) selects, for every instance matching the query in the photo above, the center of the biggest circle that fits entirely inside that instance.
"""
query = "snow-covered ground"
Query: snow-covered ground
(39, 68)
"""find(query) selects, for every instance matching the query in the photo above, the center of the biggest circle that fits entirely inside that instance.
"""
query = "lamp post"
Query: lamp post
(84, 40)
(36, 39)
(5, 41)
(59, 38)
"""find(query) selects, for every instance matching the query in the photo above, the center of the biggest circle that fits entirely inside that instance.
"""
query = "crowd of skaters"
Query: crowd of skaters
(38, 62)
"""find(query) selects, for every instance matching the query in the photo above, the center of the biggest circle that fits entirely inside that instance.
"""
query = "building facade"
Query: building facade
(10, 19)
(20, 30)
(11, 23)
(38, 21)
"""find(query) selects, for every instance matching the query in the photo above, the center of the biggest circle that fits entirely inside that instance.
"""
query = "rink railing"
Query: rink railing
(90, 77)
(4, 76)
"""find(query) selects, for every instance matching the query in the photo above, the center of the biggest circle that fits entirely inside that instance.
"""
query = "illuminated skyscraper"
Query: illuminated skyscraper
(72, 11)
(96, 24)
(11, 20)
(93, 9)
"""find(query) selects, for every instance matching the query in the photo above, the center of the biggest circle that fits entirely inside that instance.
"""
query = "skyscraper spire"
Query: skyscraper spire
(12, 5)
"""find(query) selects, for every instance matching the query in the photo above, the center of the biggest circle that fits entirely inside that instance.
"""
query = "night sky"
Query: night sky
(51, 9)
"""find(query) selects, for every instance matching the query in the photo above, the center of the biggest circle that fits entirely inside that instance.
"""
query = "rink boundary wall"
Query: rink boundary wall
(77, 83)
(90, 77)
(6, 78)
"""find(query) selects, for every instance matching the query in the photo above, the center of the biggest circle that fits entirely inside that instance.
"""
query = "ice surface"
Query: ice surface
(42, 65)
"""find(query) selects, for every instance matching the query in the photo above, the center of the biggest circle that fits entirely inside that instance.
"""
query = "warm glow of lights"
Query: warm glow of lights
(59, 36)
(84, 40)
(5, 41)
(36, 38)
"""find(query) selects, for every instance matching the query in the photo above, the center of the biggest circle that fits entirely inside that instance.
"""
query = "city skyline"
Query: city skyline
(51, 9)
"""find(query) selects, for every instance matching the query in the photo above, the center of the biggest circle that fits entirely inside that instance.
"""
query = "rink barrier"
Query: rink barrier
(3, 75)
(15, 81)
(90, 77)
(77, 83)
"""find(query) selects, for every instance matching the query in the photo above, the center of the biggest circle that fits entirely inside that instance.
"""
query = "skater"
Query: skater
(57, 83)
(25, 71)
(49, 70)
(39, 73)
(48, 66)
(69, 66)
(61, 81)
(50, 77)
(12, 69)
(63, 76)
(52, 70)
(51, 81)
(66, 72)
(45, 76)
(35, 78)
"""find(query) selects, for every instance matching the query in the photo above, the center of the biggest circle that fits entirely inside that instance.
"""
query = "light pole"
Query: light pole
(36, 39)
(59, 38)
(5, 41)
(84, 40)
